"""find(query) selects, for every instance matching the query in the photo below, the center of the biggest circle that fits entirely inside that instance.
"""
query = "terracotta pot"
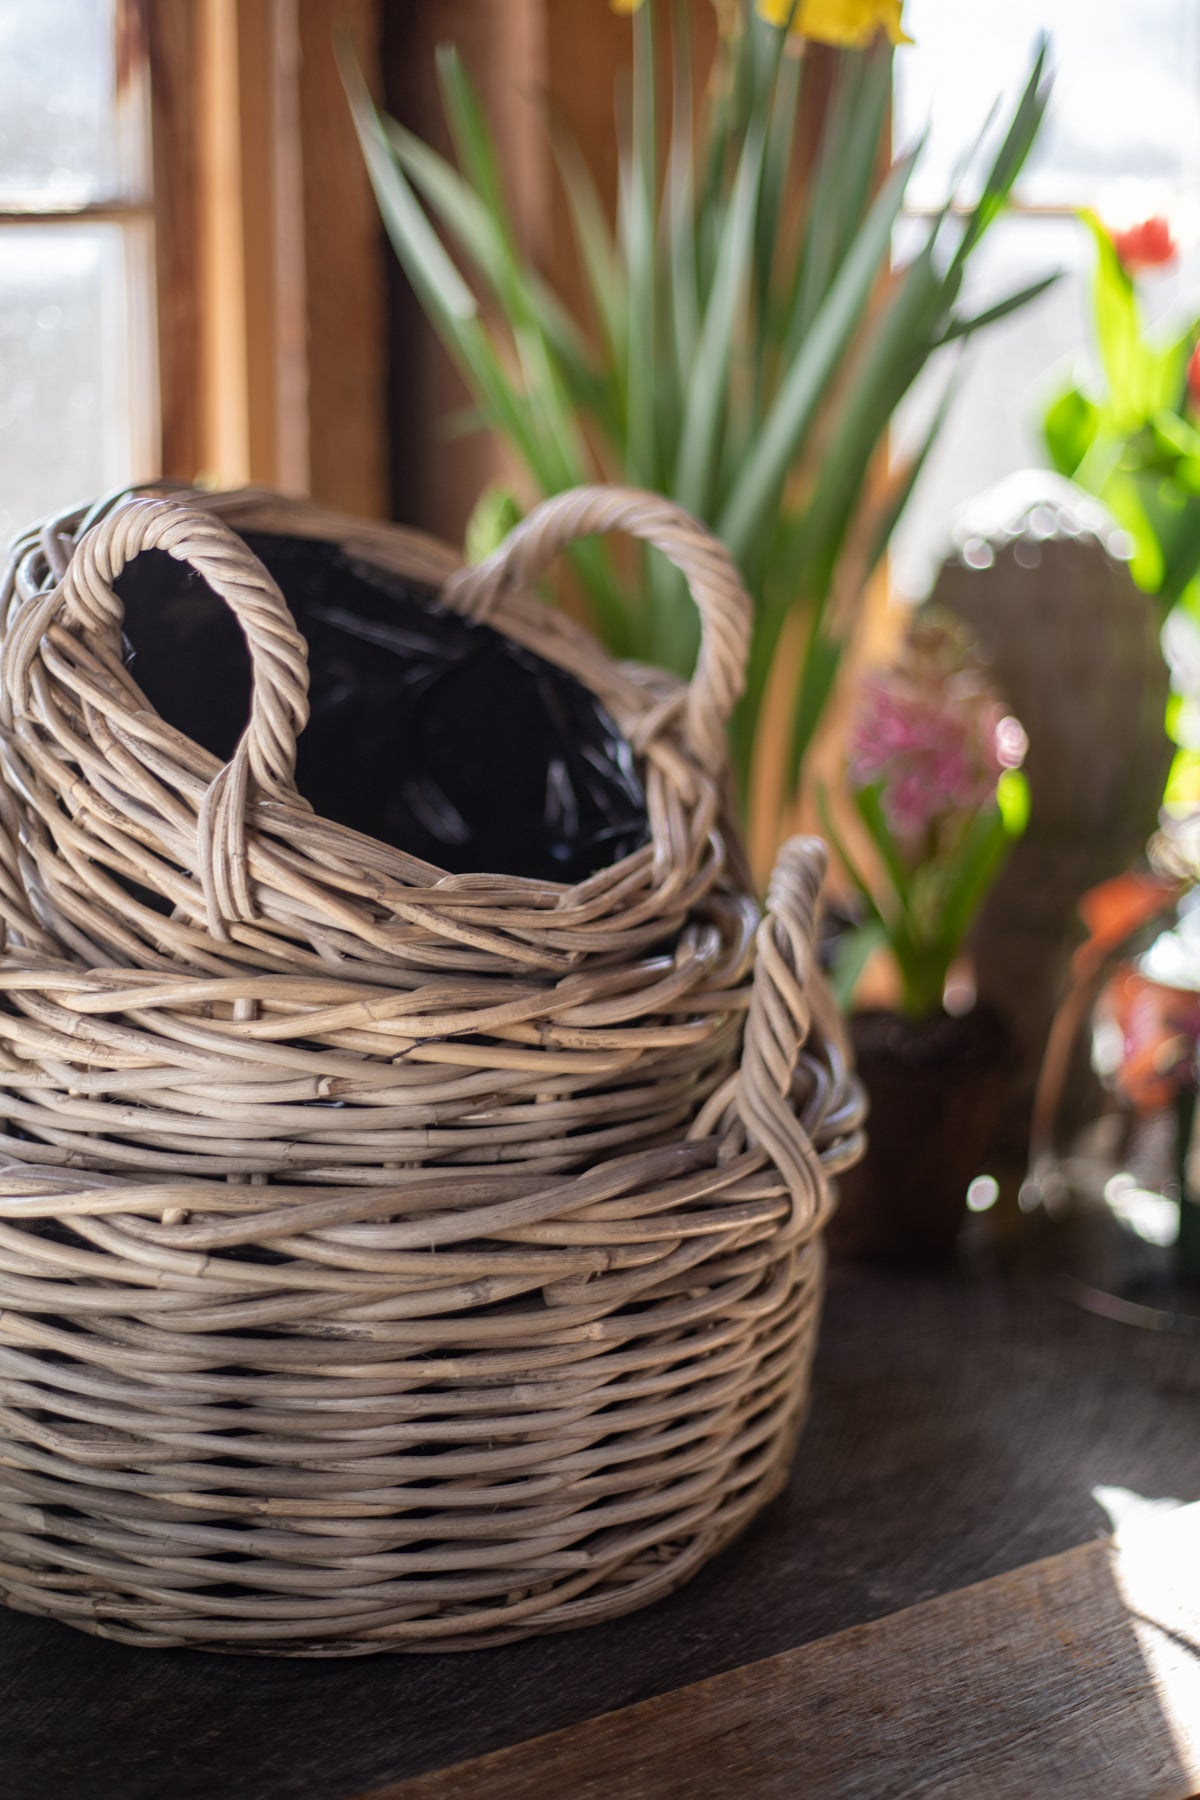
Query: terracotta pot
(937, 1090)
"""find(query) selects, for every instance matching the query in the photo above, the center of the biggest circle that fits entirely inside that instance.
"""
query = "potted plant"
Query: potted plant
(934, 784)
(746, 338)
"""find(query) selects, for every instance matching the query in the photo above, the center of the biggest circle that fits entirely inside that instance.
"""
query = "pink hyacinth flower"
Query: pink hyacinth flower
(934, 736)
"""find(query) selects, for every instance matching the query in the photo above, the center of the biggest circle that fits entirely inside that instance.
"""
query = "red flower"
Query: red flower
(1193, 377)
(1159, 1029)
(1150, 244)
(1116, 908)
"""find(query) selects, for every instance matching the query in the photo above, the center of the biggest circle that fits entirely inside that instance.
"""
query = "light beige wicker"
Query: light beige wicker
(105, 788)
(388, 1260)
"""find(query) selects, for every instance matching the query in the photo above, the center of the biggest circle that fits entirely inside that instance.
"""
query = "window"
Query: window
(1122, 135)
(78, 402)
(191, 262)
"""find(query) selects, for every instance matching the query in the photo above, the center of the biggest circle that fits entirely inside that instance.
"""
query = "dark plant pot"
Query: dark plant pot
(937, 1090)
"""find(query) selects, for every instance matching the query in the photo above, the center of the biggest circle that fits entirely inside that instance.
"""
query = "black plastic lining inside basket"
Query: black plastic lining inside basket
(428, 731)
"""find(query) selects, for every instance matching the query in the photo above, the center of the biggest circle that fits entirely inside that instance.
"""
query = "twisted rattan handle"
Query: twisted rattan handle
(714, 583)
(797, 1093)
(264, 761)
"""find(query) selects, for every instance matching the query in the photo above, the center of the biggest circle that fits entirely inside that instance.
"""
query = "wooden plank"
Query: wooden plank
(344, 261)
(270, 256)
(962, 1426)
(173, 32)
(200, 101)
(267, 146)
(1075, 1676)
(438, 474)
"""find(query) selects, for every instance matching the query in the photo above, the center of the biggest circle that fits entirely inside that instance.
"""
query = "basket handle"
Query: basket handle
(713, 581)
(797, 1094)
(264, 762)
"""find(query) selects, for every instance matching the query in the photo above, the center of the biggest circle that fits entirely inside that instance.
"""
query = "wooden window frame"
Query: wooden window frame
(269, 254)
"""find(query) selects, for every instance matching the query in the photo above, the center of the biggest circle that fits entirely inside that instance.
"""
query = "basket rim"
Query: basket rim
(649, 707)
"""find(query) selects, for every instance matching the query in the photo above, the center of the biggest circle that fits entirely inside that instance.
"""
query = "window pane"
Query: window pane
(1125, 103)
(69, 397)
(1008, 375)
(66, 131)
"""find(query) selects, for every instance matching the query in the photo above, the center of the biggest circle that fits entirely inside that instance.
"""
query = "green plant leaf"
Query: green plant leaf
(909, 958)
(894, 352)
(852, 137)
(492, 518)
(1124, 495)
(962, 328)
(855, 948)
(770, 226)
(1010, 158)
(523, 295)
(756, 383)
(899, 492)
(431, 270)
(472, 140)
(861, 885)
(597, 251)
(1014, 801)
(868, 802)
(704, 405)
(818, 678)
(680, 201)
(1179, 441)
(757, 489)
(1124, 355)
(1069, 428)
(636, 219)
(1173, 516)
(984, 847)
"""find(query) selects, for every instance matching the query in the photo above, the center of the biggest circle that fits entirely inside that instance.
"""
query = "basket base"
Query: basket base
(649, 1577)
(651, 1471)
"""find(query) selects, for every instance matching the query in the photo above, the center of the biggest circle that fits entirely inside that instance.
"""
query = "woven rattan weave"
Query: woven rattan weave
(388, 1259)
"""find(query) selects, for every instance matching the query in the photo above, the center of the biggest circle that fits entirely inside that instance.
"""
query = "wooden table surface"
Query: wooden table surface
(965, 1428)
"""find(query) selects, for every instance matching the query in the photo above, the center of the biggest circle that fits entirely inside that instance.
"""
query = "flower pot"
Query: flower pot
(937, 1091)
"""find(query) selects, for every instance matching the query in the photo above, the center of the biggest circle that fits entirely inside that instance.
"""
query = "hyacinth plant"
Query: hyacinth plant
(1130, 434)
(746, 338)
(933, 775)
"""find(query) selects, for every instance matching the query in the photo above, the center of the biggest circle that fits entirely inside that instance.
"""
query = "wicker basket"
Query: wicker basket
(388, 1259)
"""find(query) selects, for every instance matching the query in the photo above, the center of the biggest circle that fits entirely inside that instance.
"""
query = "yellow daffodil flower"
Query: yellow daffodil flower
(850, 23)
(846, 23)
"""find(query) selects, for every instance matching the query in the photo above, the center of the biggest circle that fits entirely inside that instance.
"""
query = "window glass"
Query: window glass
(64, 136)
(1127, 81)
(1122, 135)
(68, 421)
(76, 328)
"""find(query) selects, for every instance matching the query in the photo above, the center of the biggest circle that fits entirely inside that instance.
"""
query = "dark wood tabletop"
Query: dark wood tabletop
(962, 1427)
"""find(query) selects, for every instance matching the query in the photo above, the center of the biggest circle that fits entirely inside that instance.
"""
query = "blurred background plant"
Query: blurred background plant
(747, 337)
(933, 775)
(1128, 433)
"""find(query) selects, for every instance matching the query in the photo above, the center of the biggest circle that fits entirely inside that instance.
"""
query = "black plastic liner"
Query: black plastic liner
(428, 731)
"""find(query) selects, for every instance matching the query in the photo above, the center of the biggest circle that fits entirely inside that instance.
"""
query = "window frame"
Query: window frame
(271, 264)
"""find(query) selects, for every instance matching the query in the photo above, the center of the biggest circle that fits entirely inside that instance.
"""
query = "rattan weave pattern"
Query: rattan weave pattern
(387, 1260)
(105, 788)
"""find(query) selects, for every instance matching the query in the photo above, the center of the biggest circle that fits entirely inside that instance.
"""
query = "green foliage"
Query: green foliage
(740, 350)
(495, 513)
(1129, 437)
(922, 909)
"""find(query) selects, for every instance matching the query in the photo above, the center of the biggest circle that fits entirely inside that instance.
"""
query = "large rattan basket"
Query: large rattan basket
(389, 1259)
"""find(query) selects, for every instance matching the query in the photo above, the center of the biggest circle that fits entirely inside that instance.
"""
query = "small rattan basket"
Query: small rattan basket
(389, 1259)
